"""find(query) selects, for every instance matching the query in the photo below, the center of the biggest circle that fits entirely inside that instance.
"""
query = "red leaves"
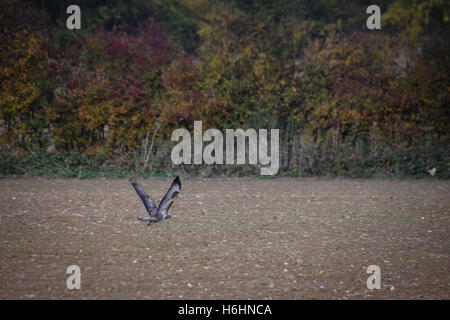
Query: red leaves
(118, 49)
(75, 62)
(73, 84)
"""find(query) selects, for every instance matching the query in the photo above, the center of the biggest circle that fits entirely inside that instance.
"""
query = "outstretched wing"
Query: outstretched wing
(148, 202)
(169, 198)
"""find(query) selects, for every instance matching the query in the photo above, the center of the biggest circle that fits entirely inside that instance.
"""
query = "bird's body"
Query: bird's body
(160, 212)
(432, 171)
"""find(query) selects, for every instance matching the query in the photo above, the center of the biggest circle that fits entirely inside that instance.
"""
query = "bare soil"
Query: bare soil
(240, 238)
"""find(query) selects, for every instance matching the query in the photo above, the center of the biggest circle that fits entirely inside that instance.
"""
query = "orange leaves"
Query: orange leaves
(294, 72)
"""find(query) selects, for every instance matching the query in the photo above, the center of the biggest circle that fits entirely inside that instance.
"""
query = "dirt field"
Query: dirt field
(227, 239)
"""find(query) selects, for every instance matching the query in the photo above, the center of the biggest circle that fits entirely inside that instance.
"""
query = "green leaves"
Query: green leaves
(306, 67)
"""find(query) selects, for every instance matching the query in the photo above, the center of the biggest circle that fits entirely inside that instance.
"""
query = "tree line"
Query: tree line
(348, 101)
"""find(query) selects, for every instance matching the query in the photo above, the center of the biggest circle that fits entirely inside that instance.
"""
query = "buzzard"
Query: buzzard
(161, 212)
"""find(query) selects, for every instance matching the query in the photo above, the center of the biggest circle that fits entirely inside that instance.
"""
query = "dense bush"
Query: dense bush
(348, 101)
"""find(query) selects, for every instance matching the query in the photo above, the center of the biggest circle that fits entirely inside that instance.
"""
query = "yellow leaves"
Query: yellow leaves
(21, 66)
(348, 61)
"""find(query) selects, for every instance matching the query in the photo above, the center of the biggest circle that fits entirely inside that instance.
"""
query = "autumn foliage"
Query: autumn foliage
(347, 100)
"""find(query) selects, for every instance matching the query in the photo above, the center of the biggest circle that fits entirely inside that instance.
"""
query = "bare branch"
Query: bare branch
(146, 143)
(149, 153)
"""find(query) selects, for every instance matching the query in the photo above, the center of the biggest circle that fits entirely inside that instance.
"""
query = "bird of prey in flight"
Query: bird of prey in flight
(161, 212)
